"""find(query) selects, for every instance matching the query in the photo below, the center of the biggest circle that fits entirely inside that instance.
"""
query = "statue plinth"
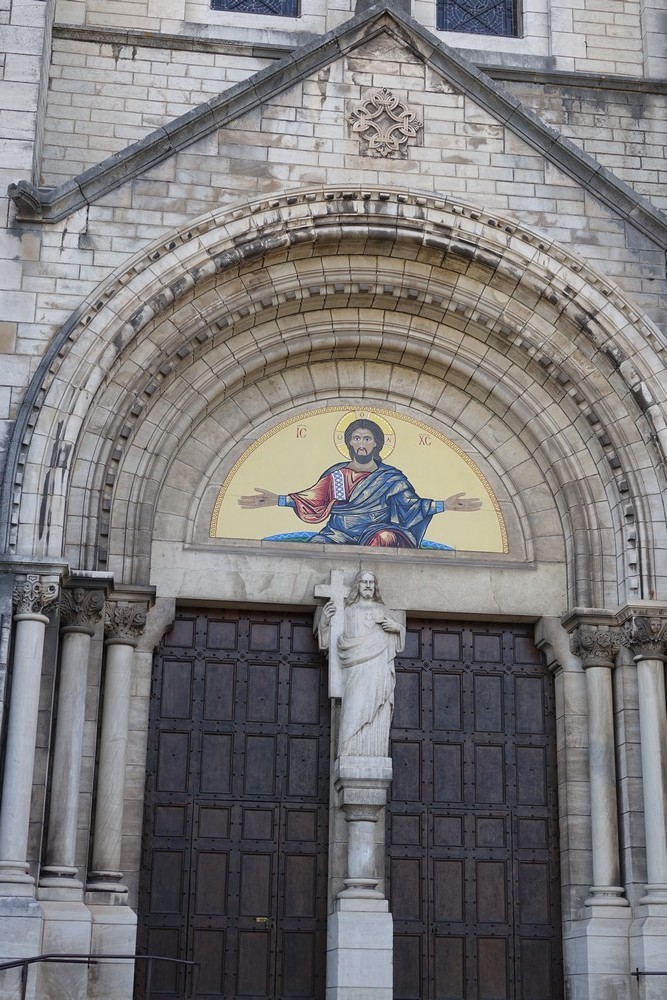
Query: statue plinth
(361, 784)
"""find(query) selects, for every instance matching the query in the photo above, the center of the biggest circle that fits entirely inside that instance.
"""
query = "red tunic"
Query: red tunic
(314, 504)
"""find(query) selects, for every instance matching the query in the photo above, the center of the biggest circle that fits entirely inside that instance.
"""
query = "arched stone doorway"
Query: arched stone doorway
(529, 360)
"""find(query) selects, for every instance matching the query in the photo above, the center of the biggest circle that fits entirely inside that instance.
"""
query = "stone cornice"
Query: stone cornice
(51, 204)
(181, 43)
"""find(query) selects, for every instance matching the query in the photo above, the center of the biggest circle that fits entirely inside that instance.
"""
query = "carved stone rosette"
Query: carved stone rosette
(384, 124)
(80, 609)
(646, 636)
(33, 596)
(596, 645)
(124, 623)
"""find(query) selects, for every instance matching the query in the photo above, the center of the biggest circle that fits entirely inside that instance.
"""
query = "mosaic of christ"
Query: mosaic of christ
(364, 499)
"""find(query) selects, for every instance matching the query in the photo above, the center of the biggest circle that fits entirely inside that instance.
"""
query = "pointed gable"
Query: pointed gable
(294, 123)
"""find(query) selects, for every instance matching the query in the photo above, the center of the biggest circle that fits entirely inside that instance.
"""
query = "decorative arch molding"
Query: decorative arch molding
(442, 293)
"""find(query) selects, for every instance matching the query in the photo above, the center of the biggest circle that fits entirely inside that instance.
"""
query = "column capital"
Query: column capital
(594, 636)
(644, 631)
(80, 608)
(124, 622)
(32, 596)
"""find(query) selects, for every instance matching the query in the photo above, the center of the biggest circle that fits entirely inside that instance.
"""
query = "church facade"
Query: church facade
(234, 236)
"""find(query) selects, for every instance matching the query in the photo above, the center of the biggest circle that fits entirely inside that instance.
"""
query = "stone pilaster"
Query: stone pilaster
(31, 598)
(124, 623)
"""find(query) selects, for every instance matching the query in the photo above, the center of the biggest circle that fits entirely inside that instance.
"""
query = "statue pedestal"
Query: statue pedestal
(361, 785)
(360, 930)
(360, 950)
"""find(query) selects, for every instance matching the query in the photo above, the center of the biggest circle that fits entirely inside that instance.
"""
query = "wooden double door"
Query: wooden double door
(235, 831)
(472, 836)
(236, 816)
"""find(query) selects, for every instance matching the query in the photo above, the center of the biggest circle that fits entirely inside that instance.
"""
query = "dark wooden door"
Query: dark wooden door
(473, 867)
(235, 833)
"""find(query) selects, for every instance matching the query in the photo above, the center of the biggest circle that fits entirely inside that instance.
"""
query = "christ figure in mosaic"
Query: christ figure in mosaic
(363, 501)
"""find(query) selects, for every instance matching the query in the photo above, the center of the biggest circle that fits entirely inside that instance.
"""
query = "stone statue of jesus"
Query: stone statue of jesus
(371, 639)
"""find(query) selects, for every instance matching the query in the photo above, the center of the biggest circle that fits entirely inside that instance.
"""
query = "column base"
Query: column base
(58, 877)
(105, 881)
(656, 893)
(607, 895)
(15, 879)
(361, 888)
(360, 950)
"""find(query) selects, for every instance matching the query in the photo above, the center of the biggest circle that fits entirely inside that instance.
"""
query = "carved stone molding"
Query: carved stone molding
(33, 596)
(384, 124)
(646, 636)
(81, 609)
(596, 645)
(124, 623)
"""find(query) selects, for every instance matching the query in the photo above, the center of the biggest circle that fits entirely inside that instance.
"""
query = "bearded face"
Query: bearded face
(363, 446)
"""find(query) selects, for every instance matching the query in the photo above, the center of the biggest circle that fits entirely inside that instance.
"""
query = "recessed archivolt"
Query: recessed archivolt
(506, 414)
(433, 286)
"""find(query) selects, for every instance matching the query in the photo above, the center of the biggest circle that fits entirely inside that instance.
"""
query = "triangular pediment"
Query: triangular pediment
(382, 33)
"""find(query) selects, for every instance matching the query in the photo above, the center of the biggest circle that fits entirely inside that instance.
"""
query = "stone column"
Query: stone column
(30, 600)
(123, 624)
(645, 634)
(80, 611)
(597, 938)
(647, 639)
(597, 645)
(114, 923)
(66, 921)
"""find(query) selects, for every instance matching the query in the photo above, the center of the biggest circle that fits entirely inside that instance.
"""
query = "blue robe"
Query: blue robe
(383, 499)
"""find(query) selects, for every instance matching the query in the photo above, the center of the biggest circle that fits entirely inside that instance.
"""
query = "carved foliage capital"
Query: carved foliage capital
(81, 609)
(124, 623)
(596, 645)
(33, 596)
(646, 636)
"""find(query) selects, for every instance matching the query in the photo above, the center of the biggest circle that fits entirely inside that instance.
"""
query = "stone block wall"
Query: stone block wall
(625, 129)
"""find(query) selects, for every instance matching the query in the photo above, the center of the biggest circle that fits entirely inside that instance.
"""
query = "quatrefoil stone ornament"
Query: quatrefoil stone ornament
(384, 124)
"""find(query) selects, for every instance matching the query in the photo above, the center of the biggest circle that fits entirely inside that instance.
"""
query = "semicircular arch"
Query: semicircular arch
(534, 341)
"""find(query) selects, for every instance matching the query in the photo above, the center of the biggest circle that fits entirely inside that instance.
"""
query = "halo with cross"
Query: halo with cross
(382, 422)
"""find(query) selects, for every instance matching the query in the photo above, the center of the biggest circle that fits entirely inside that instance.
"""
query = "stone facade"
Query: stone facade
(197, 243)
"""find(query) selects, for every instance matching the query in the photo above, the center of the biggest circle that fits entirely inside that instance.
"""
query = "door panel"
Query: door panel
(473, 864)
(235, 842)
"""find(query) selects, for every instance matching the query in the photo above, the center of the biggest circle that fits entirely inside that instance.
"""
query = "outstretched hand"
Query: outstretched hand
(456, 502)
(261, 498)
